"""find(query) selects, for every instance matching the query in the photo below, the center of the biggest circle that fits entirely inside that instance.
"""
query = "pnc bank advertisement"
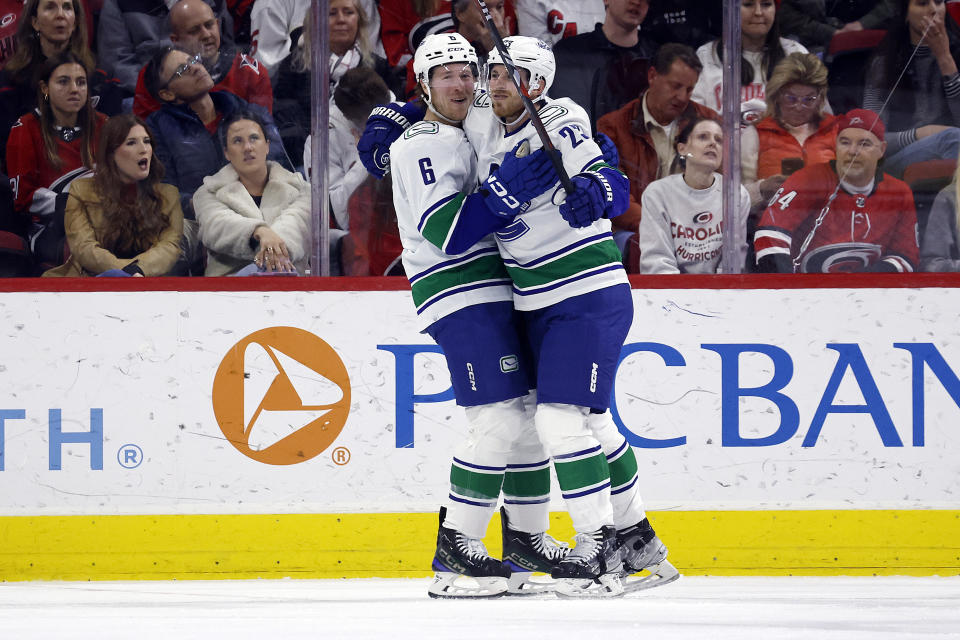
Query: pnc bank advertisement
(331, 401)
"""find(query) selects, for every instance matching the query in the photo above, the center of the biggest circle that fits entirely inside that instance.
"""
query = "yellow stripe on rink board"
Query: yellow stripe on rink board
(916, 543)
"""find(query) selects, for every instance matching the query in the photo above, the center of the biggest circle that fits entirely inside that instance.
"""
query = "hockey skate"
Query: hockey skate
(593, 568)
(527, 553)
(641, 549)
(463, 568)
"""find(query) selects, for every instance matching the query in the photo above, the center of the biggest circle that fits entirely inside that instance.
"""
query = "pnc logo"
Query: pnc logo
(281, 395)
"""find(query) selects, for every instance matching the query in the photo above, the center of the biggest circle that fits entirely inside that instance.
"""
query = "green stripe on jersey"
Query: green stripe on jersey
(595, 255)
(585, 472)
(485, 267)
(623, 469)
(475, 485)
(527, 484)
(440, 221)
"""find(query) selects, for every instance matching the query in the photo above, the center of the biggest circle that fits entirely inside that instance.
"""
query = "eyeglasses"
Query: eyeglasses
(806, 101)
(182, 69)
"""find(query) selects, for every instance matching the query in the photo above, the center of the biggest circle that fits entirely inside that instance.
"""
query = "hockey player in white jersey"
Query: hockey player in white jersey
(569, 282)
(463, 299)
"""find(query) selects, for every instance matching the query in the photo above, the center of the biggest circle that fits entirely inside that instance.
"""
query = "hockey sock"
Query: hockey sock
(579, 463)
(624, 486)
(526, 484)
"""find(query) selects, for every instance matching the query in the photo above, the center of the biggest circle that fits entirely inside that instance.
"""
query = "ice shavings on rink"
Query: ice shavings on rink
(714, 608)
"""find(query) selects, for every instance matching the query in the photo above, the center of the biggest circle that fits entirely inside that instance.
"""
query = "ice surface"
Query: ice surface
(713, 608)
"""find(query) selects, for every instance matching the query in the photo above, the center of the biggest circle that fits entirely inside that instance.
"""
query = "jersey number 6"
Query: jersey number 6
(426, 170)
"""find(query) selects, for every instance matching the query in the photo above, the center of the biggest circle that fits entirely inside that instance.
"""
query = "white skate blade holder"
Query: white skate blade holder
(454, 585)
(607, 585)
(526, 583)
(661, 574)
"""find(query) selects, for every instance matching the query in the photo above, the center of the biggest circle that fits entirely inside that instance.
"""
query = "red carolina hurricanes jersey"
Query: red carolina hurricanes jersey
(857, 231)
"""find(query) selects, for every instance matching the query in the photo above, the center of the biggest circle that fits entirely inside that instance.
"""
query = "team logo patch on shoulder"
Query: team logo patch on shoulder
(427, 127)
(551, 112)
(482, 100)
(252, 63)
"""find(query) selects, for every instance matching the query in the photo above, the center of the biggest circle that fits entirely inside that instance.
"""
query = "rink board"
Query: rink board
(302, 432)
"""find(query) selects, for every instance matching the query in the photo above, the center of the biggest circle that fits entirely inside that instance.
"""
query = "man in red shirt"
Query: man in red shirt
(842, 216)
(195, 29)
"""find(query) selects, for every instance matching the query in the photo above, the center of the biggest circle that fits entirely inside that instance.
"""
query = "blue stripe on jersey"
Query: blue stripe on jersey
(531, 501)
(449, 263)
(530, 465)
(577, 454)
(469, 465)
(470, 287)
(434, 207)
(561, 283)
(558, 252)
(624, 487)
(615, 453)
(587, 492)
(470, 502)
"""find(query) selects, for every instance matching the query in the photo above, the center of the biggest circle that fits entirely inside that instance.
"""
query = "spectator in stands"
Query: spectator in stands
(682, 227)
(692, 22)
(195, 29)
(814, 24)
(275, 22)
(405, 23)
(923, 112)
(762, 49)
(844, 216)
(554, 20)
(940, 245)
(46, 28)
(186, 124)
(468, 21)
(122, 221)
(9, 17)
(50, 147)
(605, 68)
(252, 211)
(795, 132)
(130, 32)
(645, 129)
(348, 50)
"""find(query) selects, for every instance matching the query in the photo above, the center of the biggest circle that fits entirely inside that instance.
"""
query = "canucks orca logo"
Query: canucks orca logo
(514, 231)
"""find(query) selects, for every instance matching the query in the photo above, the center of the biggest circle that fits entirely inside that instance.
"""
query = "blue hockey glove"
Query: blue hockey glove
(610, 154)
(589, 200)
(385, 124)
(521, 178)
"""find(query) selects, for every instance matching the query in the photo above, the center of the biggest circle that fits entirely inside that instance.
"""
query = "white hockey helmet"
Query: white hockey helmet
(532, 54)
(439, 49)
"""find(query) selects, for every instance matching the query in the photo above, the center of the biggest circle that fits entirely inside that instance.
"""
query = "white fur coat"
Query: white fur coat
(228, 217)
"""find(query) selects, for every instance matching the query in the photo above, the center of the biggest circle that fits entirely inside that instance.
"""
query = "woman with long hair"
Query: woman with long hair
(913, 83)
(253, 213)
(50, 147)
(46, 29)
(762, 48)
(682, 227)
(123, 220)
(940, 245)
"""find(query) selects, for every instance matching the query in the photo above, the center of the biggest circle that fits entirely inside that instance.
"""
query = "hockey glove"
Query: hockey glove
(521, 178)
(589, 201)
(385, 124)
(610, 154)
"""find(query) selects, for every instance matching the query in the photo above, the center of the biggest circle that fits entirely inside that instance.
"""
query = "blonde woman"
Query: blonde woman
(940, 246)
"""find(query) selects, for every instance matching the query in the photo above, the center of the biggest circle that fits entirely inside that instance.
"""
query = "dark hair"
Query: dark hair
(237, 116)
(86, 118)
(132, 225)
(895, 48)
(773, 53)
(153, 71)
(684, 135)
(28, 52)
(670, 52)
(359, 91)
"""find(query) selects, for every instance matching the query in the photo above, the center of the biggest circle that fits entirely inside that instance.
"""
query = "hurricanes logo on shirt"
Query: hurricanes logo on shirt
(7, 19)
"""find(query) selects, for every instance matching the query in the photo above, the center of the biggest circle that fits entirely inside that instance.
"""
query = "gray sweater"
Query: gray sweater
(940, 248)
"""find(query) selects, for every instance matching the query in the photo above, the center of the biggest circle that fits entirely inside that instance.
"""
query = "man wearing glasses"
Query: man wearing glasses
(185, 127)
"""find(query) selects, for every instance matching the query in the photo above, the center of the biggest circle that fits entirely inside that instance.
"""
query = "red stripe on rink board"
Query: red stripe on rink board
(280, 283)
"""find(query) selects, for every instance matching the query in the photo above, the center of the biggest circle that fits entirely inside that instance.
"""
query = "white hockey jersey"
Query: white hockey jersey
(434, 168)
(553, 20)
(548, 261)
(709, 88)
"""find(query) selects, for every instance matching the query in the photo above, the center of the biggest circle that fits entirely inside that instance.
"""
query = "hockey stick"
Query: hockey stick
(531, 110)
